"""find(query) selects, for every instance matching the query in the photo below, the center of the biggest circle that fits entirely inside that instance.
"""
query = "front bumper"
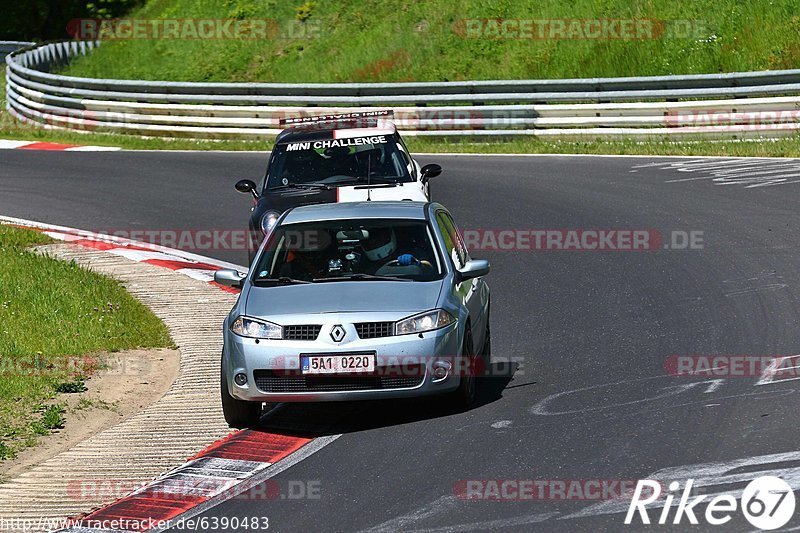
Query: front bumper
(404, 367)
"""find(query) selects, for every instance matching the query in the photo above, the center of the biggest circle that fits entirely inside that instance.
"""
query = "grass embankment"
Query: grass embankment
(397, 40)
(394, 40)
(54, 317)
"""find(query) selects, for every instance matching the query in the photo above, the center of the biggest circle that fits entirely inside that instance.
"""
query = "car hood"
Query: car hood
(343, 297)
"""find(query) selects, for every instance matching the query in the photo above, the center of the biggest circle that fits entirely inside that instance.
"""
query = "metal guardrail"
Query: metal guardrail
(762, 104)
(6, 47)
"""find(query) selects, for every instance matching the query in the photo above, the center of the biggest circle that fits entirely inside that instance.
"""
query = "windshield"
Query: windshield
(338, 162)
(356, 250)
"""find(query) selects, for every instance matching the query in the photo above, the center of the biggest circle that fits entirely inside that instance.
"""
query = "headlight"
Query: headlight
(256, 329)
(424, 322)
(268, 221)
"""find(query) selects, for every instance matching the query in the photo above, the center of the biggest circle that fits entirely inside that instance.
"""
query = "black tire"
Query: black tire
(486, 353)
(238, 414)
(464, 396)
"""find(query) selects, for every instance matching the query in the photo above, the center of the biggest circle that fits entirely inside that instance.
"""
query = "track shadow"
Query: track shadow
(334, 418)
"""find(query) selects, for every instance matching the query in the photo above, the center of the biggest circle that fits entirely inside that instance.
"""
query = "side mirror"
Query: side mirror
(475, 268)
(229, 277)
(430, 171)
(247, 186)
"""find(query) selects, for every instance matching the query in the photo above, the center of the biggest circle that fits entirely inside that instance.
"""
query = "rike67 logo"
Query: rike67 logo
(767, 503)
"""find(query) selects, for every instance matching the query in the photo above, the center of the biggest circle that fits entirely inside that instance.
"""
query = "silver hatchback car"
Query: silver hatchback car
(356, 301)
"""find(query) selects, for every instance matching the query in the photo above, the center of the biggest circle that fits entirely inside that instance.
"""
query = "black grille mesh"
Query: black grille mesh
(373, 330)
(307, 332)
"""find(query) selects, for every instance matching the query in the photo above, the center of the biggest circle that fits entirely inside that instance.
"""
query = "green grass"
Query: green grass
(52, 418)
(53, 316)
(788, 147)
(398, 40)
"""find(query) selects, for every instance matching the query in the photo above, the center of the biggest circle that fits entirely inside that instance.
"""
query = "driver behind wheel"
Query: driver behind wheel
(381, 248)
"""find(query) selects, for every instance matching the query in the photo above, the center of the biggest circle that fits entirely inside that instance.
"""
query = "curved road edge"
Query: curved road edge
(140, 453)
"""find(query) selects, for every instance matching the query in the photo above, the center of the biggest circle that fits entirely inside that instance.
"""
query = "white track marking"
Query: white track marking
(710, 475)
(714, 477)
(67, 234)
(770, 287)
(490, 525)
(259, 477)
(754, 278)
(713, 385)
(198, 274)
(775, 366)
(141, 255)
(93, 149)
(206, 477)
(10, 145)
(706, 475)
(402, 523)
(542, 407)
(751, 173)
(778, 167)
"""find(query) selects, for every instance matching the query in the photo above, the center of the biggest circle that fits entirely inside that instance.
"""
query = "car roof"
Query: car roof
(340, 129)
(340, 211)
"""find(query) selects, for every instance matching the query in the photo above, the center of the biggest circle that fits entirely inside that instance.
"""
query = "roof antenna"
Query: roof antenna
(369, 173)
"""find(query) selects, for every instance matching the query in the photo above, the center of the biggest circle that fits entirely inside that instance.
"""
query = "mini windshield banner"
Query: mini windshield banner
(336, 143)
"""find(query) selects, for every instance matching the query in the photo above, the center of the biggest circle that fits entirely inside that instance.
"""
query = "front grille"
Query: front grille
(292, 381)
(373, 330)
(307, 332)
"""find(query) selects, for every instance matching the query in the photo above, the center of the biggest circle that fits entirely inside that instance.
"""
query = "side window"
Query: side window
(452, 240)
(412, 169)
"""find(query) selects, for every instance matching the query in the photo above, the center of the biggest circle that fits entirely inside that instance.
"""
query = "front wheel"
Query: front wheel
(464, 396)
(238, 414)
(487, 345)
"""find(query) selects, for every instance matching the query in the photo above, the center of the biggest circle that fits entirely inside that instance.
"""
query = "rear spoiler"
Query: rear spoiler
(386, 113)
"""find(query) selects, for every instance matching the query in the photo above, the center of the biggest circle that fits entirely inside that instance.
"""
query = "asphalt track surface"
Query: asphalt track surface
(594, 328)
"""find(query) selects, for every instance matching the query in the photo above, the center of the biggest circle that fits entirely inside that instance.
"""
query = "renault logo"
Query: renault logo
(337, 333)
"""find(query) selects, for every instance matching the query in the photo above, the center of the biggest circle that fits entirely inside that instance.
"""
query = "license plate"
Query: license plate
(337, 364)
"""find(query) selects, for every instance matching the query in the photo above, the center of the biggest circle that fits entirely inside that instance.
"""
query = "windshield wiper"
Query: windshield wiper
(283, 280)
(361, 277)
(321, 186)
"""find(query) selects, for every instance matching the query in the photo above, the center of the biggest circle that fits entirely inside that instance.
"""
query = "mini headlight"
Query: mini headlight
(256, 329)
(424, 322)
(268, 221)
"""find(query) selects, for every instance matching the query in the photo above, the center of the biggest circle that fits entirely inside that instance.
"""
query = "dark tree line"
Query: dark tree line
(41, 20)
